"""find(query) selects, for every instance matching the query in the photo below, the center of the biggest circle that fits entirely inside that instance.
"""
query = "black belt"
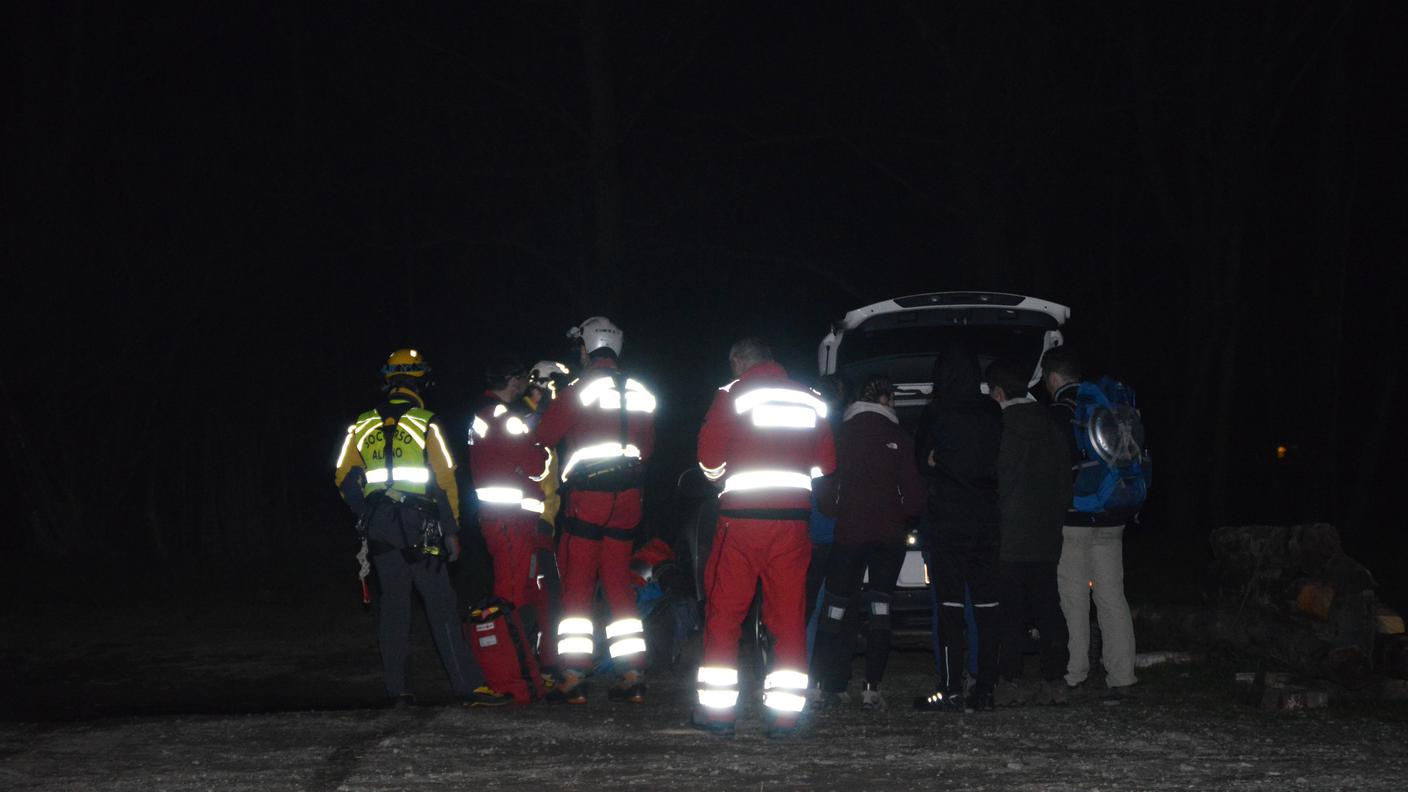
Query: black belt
(767, 514)
(585, 530)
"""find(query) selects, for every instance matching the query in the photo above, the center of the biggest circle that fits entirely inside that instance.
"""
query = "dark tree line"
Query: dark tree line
(219, 219)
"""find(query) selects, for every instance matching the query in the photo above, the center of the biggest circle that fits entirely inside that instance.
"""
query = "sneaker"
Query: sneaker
(940, 701)
(699, 720)
(485, 696)
(978, 701)
(832, 698)
(402, 702)
(1117, 695)
(1010, 693)
(870, 698)
(631, 689)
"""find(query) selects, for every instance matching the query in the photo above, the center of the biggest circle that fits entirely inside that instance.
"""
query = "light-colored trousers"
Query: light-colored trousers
(1092, 565)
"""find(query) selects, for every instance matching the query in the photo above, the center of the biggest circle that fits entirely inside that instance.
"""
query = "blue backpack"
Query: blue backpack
(1115, 470)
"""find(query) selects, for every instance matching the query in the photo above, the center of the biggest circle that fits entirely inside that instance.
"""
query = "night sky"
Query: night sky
(220, 218)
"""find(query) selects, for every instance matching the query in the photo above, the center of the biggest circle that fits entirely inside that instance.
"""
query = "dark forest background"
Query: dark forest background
(219, 218)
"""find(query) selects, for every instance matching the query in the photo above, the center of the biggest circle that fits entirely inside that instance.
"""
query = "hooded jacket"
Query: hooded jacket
(961, 428)
(876, 487)
(1033, 482)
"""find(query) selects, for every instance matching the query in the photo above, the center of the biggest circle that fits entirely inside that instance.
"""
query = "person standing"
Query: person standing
(957, 448)
(1033, 490)
(507, 468)
(764, 439)
(603, 425)
(1092, 556)
(875, 492)
(396, 473)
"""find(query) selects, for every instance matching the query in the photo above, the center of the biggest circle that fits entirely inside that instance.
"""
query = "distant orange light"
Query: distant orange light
(1092, 584)
(1281, 452)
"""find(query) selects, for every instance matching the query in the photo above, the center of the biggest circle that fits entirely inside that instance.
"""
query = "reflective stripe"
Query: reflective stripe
(767, 479)
(515, 425)
(599, 451)
(986, 604)
(783, 416)
(346, 444)
(499, 494)
(795, 680)
(718, 699)
(783, 702)
(717, 676)
(713, 474)
(575, 644)
(419, 423)
(574, 625)
(361, 441)
(729, 386)
(413, 433)
(479, 427)
(759, 396)
(816, 472)
(624, 627)
(499, 409)
(627, 646)
(532, 505)
(444, 449)
(415, 475)
(604, 394)
(547, 467)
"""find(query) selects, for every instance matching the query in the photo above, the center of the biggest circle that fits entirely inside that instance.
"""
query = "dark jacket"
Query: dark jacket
(962, 428)
(876, 487)
(1033, 483)
(1063, 407)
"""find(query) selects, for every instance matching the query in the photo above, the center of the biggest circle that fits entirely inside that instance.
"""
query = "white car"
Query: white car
(900, 338)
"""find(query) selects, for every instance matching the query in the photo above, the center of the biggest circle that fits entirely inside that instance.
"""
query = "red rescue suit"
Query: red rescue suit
(506, 466)
(765, 438)
(585, 423)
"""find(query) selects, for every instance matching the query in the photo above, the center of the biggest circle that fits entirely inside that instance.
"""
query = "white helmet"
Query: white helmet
(544, 371)
(598, 332)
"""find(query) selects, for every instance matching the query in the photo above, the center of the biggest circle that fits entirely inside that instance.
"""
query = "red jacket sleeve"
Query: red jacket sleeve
(713, 435)
(558, 419)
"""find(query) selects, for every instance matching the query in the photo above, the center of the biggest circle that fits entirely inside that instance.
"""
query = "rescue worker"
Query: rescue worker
(764, 439)
(507, 466)
(604, 423)
(396, 473)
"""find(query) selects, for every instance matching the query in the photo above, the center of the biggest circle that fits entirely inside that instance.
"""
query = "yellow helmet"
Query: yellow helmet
(406, 363)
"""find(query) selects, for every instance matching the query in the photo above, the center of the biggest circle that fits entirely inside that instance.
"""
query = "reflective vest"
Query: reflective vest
(401, 464)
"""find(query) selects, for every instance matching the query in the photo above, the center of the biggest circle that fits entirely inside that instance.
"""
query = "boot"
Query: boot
(572, 689)
(870, 697)
(631, 688)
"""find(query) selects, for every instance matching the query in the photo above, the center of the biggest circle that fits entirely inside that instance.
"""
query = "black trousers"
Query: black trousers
(841, 608)
(1028, 591)
(966, 555)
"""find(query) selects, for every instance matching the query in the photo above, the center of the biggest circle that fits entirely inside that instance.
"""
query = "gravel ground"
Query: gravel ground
(155, 701)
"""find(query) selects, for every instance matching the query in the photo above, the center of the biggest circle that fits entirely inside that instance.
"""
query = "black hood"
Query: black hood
(956, 375)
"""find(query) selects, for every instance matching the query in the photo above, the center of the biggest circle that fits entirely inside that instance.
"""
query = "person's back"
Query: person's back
(957, 450)
(957, 444)
(1092, 556)
(1034, 489)
(1034, 482)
